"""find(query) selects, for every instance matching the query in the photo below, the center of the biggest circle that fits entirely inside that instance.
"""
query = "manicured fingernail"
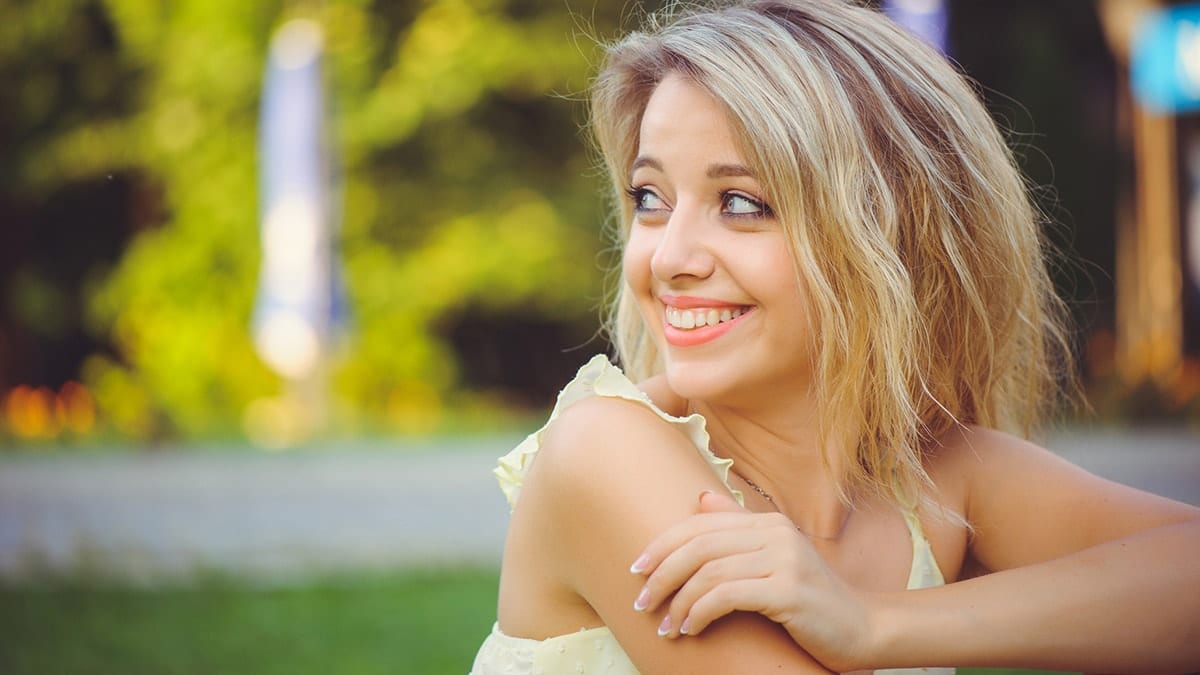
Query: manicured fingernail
(640, 564)
(664, 628)
(687, 624)
(643, 599)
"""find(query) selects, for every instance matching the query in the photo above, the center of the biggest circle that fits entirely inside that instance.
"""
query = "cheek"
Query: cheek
(635, 269)
(776, 276)
(635, 261)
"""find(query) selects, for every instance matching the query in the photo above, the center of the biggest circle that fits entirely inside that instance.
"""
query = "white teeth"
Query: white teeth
(687, 319)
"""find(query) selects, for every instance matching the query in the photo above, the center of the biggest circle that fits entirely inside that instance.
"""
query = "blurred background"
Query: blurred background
(279, 280)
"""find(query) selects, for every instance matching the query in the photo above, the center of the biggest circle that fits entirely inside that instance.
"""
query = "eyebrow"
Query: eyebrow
(714, 171)
(729, 171)
(645, 161)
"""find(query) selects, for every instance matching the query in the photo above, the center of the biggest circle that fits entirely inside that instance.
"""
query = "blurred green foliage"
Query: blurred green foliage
(466, 191)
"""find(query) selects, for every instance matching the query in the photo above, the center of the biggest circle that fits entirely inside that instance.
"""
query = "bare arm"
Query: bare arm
(1095, 575)
(1090, 575)
(611, 475)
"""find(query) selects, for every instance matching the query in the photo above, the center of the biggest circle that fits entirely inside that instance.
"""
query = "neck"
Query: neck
(776, 448)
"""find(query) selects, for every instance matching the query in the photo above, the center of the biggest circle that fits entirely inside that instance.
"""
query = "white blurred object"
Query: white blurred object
(299, 304)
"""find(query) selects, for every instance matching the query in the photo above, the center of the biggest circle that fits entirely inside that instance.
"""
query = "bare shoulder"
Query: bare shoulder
(969, 457)
(606, 434)
(965, 453)
(1027, 504)
(606, 461)
(610, 475)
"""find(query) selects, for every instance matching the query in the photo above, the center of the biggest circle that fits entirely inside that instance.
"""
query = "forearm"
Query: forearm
(1131, 605)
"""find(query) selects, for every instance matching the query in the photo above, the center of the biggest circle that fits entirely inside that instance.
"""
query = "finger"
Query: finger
(746, 595)
(686, 561)
(713, 575)
(713, 502)
(682, 532)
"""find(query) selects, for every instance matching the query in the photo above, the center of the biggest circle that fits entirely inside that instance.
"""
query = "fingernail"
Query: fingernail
(640, 564)
(683, 628)
(664, 628)
(702, 493)
(643, 599)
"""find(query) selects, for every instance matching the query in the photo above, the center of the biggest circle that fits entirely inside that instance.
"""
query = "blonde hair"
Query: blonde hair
(908, 221)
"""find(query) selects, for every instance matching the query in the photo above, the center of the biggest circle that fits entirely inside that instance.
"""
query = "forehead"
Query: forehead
(682, 116)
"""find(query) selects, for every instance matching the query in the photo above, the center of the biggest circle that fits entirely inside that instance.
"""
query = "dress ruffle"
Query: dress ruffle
(599, 377)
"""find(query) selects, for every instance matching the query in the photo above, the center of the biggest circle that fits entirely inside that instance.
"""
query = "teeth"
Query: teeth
(687, 319)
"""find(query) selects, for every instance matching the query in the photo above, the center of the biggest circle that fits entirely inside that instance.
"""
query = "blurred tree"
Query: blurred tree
(64, 78)
(467, 201)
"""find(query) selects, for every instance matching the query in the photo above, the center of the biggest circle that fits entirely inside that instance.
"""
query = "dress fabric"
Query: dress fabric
(596, 650)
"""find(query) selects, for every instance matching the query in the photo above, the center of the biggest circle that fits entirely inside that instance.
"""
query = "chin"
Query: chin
(706, 380)
(737, 379)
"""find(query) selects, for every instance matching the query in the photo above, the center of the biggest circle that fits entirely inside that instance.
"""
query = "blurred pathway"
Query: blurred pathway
(157, 515)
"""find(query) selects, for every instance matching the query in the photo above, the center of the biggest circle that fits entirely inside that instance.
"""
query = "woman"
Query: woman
(836, 308)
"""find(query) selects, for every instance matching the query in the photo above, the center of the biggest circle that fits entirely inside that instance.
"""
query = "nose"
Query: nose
(683, 248)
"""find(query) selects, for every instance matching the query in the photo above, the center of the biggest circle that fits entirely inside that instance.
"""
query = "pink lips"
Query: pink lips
(678, 337)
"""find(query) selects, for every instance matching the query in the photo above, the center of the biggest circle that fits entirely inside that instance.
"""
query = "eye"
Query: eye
(645, 199)
(737, 204)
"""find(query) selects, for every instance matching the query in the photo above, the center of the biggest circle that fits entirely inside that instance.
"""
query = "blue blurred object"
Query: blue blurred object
(1165, 60)
(924, 18)
(300, 300)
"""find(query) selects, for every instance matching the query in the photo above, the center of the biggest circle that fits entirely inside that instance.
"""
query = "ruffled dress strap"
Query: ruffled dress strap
(924, 573)
(599, 377)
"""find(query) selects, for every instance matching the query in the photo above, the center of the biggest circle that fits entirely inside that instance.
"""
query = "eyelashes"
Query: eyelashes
(640, 196)
(738, 204)
(734, 204)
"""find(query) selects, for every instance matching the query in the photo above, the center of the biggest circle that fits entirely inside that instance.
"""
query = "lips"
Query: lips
(690, 321)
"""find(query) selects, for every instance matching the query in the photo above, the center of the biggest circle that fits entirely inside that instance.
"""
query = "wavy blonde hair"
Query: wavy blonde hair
(910, 226)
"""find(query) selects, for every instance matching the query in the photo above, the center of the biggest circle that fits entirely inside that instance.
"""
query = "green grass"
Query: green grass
(416, 622)
(419, 622)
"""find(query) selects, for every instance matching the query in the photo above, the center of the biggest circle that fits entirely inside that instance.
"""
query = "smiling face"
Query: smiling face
(706, 259)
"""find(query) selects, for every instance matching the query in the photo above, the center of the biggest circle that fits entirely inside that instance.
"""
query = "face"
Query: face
(706, 258)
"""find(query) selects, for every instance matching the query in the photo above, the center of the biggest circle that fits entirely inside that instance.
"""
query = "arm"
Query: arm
(1090, 575)
(609, 476)
(1094, 575)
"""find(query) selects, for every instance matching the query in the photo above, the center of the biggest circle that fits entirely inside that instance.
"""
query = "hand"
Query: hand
(727, 558)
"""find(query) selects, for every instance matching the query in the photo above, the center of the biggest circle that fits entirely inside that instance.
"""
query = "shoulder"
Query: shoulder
(988, 471)
(596, 446)
(963, 451)
(1027, 504)
(988, 464)
(966, 455)
(611, 475)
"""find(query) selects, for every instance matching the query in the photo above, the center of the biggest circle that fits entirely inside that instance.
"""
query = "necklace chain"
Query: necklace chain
(771, 500)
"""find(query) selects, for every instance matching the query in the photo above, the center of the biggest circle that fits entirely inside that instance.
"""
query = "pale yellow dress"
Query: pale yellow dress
(595, 650)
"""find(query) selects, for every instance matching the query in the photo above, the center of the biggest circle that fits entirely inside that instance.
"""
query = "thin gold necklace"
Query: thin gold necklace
(775, 505)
